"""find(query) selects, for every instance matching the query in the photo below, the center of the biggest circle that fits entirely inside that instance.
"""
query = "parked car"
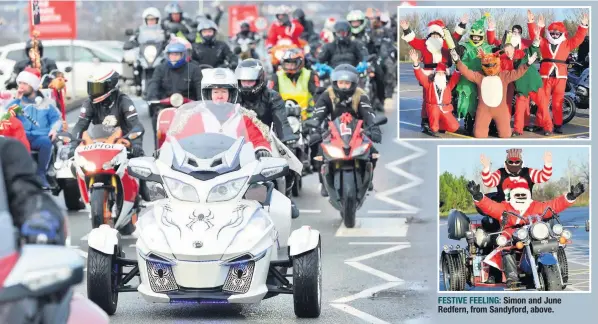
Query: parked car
(87, 56)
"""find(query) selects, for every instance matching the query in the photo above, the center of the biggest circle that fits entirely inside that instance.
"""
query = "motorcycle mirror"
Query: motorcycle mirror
(129, 32)
(143, 168)
(68, 69)
(271, 169)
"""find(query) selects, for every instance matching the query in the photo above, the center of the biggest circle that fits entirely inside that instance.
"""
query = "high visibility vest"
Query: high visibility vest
(298, 92)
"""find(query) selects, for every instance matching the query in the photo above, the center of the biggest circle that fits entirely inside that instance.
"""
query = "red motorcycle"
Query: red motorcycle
(162, 112)
(347, 167)
(101, 166)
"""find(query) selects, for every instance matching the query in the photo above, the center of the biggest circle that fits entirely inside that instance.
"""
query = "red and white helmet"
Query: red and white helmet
(329, 24)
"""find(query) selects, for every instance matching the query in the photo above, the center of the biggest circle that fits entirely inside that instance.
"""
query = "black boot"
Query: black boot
(425, 125)
(557, 129)
(144, 191)
(294, 210)
(510, 268)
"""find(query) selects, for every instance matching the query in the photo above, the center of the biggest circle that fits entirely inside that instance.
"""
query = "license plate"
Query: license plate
(99, 146)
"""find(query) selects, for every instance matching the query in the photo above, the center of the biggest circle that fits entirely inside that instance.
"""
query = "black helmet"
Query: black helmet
(101, 84)
(251, 69)
(299, 14)
(344, 72)
(29, 46)
(245, 27)
(342, 31)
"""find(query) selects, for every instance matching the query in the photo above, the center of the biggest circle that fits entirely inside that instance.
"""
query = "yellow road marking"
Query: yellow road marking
(580, 125)
(568, 135)
(459, 135)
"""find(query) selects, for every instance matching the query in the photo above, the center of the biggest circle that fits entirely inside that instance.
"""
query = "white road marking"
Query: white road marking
(414, 180)
(375, 227)
(375, 243)
(411, 90)
(411, 98)
(414, 109)
(359, 314)
(122, 237)
(310, 211)
(392, 281)
(411, 124)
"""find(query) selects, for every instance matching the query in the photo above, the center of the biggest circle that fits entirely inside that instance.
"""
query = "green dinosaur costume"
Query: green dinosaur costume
(531, 80)
(467, 90)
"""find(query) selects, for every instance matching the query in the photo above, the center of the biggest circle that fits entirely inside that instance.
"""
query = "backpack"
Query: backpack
(355, 98)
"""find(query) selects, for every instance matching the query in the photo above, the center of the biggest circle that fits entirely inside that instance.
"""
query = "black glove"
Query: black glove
(262, 153)
(474, 190)
(136, 150)
(575, 191)
(375, 134)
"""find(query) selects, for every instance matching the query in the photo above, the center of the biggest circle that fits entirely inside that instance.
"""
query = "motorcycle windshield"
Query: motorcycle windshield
(150, 34)
(102, 132)
(207, 129)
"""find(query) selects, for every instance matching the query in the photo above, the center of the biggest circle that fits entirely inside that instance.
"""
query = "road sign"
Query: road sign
(53, 19)
(239, 14)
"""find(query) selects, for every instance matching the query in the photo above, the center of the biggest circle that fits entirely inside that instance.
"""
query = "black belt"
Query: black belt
(554, 61)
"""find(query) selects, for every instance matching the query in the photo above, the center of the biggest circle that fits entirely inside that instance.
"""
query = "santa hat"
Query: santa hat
(515, 154)
(441, 67)
(436, 26)
(31, 77)
(558, 26)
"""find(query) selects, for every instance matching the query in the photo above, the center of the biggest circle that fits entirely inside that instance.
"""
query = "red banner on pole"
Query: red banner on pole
(53, 19)
(238, 14)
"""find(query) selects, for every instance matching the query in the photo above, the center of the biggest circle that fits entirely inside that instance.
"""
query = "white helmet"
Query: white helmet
(219, 78)
(151, 13)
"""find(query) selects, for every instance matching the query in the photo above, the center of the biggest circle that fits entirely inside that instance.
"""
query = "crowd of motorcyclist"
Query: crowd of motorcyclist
(354, 44)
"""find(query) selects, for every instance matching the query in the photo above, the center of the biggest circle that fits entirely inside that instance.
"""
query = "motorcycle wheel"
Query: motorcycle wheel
(552, 281)
(103, 275)
(72, 195)
(307, 283)
(564, 265)
(453, 272)
(99, 200)
(569, 109)
(349, 197)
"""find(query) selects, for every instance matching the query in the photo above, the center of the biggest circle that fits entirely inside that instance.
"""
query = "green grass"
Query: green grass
(579, 203)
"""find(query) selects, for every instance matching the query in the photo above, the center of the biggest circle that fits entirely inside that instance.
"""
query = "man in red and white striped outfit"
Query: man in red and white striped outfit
(514, 172)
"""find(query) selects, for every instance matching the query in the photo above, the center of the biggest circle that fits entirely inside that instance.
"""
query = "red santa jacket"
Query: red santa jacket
(430, 60)
(561, 53)
(237, 125)
(278, 31)
(442, 100)
(14, 128)
(506, 64)
(525, 43)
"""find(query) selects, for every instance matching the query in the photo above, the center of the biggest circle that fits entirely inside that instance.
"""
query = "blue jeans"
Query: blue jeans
(42, 144)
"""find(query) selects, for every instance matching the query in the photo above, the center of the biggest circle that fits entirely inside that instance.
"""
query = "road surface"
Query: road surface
(371, 273)
(410, 103)
(578, 253)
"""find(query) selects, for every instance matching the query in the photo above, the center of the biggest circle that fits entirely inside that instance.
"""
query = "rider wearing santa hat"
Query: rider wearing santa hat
(520, 202)
(437, 96)
(555, 47)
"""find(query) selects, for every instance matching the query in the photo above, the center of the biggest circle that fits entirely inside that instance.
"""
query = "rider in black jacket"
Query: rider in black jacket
(266, 103)
(211, 51)
(105, 100)
(308, 25)
(47, 64)
(243, 35)
(343, 50)
(33, 211)
(339, 99)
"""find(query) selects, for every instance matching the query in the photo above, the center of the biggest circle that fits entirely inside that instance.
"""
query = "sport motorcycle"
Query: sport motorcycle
(223, 233)
(347, 169)
(299, 148)
(539, 247)
(101, 166)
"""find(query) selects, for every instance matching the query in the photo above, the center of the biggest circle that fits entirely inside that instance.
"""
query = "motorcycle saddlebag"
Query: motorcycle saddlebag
(458, 225)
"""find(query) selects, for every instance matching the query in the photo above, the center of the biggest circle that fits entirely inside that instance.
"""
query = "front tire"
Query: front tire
(552, 281)
(564, 265)
(72, 195)
(307, 283)
(102, 280)
(99, 206)
(453, 272)
(349, 199)
(569, 109)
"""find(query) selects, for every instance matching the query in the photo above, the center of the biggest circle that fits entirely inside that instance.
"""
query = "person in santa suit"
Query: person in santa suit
(555, 47)
(520, 203)
(284, 28)
(514, 37)
(437, 96)
(513, 171)
(434, 49)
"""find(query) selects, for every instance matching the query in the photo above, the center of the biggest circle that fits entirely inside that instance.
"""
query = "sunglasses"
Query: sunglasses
(555, 33)
(513, 162)
(520, 196)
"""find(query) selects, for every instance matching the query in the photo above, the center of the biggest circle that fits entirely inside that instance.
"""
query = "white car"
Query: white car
(222, 235)
(87, 57)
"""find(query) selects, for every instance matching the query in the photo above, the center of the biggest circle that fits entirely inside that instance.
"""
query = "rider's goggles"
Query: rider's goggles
(511, 162)
(96, 89)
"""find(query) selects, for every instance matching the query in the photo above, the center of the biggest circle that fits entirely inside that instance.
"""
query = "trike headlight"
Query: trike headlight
(226, 191)
(181, 190)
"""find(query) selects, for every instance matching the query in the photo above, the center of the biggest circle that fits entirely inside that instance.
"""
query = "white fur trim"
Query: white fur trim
(262, 148)
(490, 29)
(584, 26)
(417, 67)
(569, 201)
(427, 72)
(436, 57)
(491, 89)
(536, 43)
(459, 30)
(29, 78)
(409, 37)
(435, 29)
(552, 40)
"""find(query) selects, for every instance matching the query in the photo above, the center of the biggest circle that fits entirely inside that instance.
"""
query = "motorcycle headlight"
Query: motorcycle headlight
(557, 229)
(566, 234)
(254, 229)
(85, 164)
(521, 234)
(334, 152)
(295, 124)
(227, 190)
(150, 54)
(181, 190)
(360, 150)
(540, 231)
(176, 100)
(501, 240)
